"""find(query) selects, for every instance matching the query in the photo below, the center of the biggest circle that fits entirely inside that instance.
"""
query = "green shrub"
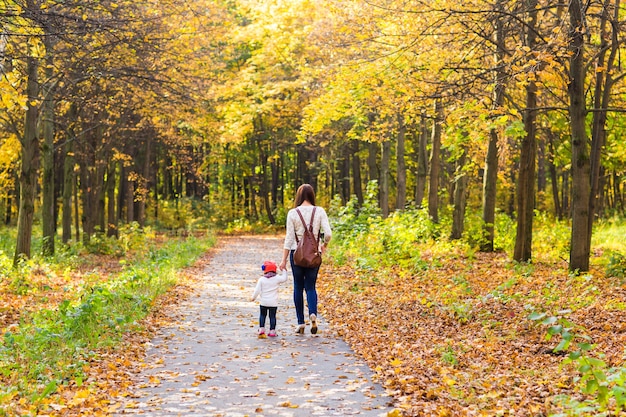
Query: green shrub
(616, 266)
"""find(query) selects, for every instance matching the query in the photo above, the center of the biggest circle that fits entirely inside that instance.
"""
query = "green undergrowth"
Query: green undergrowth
(410, 241)
(51, 347)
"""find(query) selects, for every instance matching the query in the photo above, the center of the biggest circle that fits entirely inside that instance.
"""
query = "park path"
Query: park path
(211, 363)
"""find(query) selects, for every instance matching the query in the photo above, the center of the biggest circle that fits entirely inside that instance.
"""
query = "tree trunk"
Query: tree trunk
(142, 190)
(68, 179)
(130, 200)
(372, 157)
(400, 165)
(435, 164)
(87, 218)
(29, 166)
(275, 169)
(619, 200)
(47, 151)
(344, 171)
(265, 182)
(565, 194)
(122, 193)
(8, 215)
(111, 211)
(460, 197)
(526, 180)
(356, 172)
(580, 248)
(422, 163)
(554, 179)
(76, 207)
(490, 179)
(384, 178)
(602, 96)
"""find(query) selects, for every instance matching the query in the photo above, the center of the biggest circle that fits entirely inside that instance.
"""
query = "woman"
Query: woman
(304, 279)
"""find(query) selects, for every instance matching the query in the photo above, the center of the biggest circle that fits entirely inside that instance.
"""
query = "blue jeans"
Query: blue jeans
(304, 279)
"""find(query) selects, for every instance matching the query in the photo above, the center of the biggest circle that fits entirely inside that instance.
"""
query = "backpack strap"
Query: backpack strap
(304, 223)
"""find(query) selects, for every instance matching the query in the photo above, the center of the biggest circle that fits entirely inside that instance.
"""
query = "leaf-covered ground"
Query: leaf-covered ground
(452, 339)
(455, 340)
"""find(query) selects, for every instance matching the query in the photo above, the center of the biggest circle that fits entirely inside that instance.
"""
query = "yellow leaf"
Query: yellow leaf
(84, 393)
(449, 381)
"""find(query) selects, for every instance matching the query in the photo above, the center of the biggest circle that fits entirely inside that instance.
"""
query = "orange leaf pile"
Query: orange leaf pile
(456, 340)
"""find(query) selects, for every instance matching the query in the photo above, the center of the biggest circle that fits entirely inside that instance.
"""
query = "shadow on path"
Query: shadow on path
(211, 363)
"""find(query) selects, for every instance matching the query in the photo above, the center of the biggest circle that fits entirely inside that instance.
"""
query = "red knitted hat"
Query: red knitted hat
(268, 266)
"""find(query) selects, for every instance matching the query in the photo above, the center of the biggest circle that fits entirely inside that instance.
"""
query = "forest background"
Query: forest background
(469, 146)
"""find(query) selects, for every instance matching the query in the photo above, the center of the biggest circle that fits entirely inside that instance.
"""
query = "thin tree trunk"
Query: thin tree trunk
(526, 180)
(565, 194)
(76, 207)
(384, 178)
(553, 176)
(580, 248)
(9, 201)
(143, 187)
(435, 164)
(460, 197)
(130, 200)
(122, 193)
(89, 209)
(29, 166)
(490, 179)
(111, 211)
(68, 180)
(619, 201)
(356, 172)
(602, 96)
(400, 165)
(47, 151)
(344, 171)
(275, 170)
(422, 163)
(265, 182)
(372, 157)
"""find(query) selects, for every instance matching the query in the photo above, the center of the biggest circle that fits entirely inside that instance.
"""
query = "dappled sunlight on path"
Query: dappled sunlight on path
(210, 361)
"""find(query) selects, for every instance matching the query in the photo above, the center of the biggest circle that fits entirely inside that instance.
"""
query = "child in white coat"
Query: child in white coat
(267, 289)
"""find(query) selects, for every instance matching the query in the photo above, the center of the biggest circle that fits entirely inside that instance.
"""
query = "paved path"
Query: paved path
(211, 363)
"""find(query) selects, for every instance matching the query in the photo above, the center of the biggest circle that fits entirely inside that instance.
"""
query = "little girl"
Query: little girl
(267, 288)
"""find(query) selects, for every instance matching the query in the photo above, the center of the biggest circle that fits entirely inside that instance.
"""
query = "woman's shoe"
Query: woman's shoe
(313, 318)
(262, 333)
(300, 329)
(272, 333)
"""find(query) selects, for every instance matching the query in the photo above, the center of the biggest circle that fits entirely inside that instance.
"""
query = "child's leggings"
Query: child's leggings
(264, 311)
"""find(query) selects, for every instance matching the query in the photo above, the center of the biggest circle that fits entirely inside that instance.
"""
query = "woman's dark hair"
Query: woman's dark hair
(305, 193)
